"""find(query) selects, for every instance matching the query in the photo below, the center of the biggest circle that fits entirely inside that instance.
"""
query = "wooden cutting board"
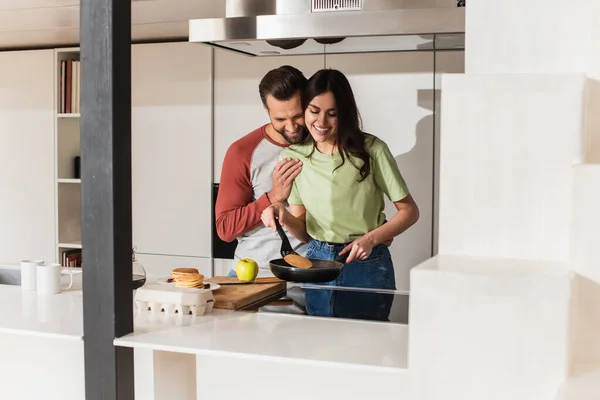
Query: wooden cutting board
(229, 280)
(238, 297)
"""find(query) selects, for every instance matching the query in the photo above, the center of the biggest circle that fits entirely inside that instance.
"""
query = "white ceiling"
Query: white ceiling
(41, 23)
(27, 4)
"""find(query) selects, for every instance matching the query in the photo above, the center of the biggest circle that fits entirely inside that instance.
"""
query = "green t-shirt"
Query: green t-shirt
(340, 209)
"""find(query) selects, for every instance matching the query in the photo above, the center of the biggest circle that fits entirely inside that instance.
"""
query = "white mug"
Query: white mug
(29, 274)
(48, 279)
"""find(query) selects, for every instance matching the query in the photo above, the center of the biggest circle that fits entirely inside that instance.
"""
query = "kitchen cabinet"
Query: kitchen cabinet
(36, 366)
(161, 265)
(27, 195)
(172, 149)
(222, 266)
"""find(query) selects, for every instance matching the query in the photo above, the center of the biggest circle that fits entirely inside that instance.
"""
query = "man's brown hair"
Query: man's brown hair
(282, 83)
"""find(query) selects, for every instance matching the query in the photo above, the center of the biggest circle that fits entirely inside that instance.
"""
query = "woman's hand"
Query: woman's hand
(292, 219)
(276, 210)
(359, 249)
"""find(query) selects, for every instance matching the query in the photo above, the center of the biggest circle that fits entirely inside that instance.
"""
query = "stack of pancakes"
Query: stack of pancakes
(188, 278)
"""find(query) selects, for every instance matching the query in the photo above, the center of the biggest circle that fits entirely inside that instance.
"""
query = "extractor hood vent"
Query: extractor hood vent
(336, 5)
(301, 27)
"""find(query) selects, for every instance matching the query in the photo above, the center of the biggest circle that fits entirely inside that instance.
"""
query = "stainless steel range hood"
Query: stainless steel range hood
(294, 27)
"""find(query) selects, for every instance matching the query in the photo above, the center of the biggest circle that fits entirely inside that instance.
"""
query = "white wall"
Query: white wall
(535, 36)
(517, 130)
(538, 36)
(585, 228)
(27, 189)
(591, 138)
(446, 62)
(507, 146)
(395, 96)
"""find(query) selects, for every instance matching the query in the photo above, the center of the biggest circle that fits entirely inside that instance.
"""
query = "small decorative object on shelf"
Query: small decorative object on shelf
(77, 167)
(138, 272)
(461, 3)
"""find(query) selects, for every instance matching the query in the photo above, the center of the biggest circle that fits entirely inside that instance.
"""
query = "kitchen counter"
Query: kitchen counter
(41, 342)
(185, 355)
(282, 331)
(50, 328)
(225, 332)
(254, 354)
(273, 336)
(51, 316)
(59, 317)
(266, 355)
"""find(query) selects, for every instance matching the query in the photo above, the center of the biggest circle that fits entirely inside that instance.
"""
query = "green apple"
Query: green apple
(246, 270)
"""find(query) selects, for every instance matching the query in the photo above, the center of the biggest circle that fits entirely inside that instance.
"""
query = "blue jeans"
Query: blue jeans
(376, 272)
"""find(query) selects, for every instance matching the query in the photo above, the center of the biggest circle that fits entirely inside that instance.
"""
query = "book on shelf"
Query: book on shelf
(71, 258)
(69, 87)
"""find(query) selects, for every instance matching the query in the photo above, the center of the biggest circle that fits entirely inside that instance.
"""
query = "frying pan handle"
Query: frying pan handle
(286, 246)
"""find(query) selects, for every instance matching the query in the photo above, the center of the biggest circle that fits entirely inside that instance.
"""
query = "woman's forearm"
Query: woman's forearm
(296, 226)
(406, 216)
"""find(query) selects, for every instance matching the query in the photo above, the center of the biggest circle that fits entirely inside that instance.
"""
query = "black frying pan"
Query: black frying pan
(321, 270)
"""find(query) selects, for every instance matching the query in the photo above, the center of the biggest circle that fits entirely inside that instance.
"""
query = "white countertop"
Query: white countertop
(498, 267)
(228, 333)
(54, 316)
(274, 336)
(451, 274)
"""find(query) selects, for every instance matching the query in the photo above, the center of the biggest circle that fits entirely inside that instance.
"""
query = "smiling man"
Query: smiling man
(252, 178)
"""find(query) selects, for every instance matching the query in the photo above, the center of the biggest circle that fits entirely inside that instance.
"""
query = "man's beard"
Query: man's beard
(296, 138)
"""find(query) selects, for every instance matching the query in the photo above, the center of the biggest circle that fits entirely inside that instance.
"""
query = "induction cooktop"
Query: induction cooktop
(337, 302)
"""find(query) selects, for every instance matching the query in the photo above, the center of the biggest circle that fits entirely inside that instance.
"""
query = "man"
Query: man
(252, 178)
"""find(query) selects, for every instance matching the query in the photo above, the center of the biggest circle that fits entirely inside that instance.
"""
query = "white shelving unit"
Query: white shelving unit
(171, 157)
(70, 245)
(67, 148)
(69, 180)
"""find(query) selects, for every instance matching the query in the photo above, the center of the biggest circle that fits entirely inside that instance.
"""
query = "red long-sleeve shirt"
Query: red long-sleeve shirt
(246, 176)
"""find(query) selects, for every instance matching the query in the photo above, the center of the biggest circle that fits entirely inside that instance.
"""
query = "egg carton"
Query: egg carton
(171, 299)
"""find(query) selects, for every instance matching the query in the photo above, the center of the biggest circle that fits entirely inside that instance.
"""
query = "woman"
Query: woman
(337, 201)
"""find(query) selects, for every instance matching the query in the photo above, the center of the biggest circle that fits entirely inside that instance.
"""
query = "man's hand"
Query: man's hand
(283, 177)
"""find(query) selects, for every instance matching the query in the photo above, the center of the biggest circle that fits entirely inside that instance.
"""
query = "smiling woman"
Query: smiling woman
(322, 100)
(337, 201)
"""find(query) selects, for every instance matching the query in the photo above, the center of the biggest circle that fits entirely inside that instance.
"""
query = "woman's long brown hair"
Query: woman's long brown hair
(350, 138)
